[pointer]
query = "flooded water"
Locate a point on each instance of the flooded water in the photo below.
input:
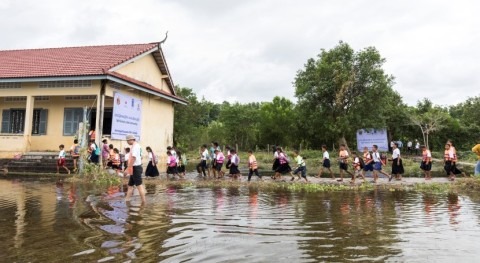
(48, 221)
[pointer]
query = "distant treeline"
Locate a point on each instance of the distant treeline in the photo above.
(338, 92)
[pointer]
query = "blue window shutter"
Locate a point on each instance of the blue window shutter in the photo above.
(5, 121)
(67, 121)
(43, 122)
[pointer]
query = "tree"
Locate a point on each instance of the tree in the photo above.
(277, 121)
(428, 118)
(342, 91)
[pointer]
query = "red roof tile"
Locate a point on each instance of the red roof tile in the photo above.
(67, 61)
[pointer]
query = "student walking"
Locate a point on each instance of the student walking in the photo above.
(283, 167)
(358, 165)
(252, 166)
(116, 162)
(61, 159)
(368, 161)
(326, 163)
(219, 160)
(152, 170)
(301, 167)
(171, 165)
(126, 158)
(343, 162)
(377, 166)
(94, 152)
(417, 147)
(451, 163)
(397, 163)
(234, 164)
(426, 164)
(182, 162)
(202, 165)
(105, 152)
(75, 153)
(134, 168)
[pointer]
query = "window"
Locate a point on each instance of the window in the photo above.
(66, 84)
(13, 121)
(81, 97)
(71, 118)
(42, 98)
(10, 85)
(15, 99)
(39, 125)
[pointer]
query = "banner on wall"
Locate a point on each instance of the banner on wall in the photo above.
(369, 137)
(126, 117)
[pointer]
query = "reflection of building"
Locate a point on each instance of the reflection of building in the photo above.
(42, 92)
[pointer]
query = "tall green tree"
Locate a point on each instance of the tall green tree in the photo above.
(277, 125)
(342, 91)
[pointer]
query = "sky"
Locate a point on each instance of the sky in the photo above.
(250, 50)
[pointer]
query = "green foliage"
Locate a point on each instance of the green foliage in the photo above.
(339, 91)
(95, 174)
(335, 92)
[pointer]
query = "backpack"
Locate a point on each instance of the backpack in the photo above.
(362, 163)
(97, 150)
(154, 158)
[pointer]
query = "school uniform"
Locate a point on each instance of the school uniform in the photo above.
(302, 168)
(284, 167)
(220, 159)
(152, 169)
(276, 162)
(377, 161)
(234, 164)
(172, 165)
(426, 155)
(326, 160)
(367, 157)
(397, 165)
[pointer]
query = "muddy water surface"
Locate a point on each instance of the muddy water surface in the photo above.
(49, 221)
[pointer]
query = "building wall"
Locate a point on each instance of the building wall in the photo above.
(145, 69)
(157, 124)
(14, 143)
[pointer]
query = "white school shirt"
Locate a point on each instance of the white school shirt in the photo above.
(376, 157)
(137, 153)
(326, 156)
(174, 153)
(127, 156)
(417, 145)
(205, 155)
(61, 154)
(396, 153)
(150, 156)
(409, 144)
(275, 155)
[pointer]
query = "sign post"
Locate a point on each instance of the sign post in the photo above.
(369, 137)
(126, 117)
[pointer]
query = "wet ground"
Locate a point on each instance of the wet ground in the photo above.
(54, 221)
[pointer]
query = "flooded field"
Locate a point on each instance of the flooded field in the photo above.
(53, 221)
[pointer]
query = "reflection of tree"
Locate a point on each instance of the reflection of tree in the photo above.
(350, 225)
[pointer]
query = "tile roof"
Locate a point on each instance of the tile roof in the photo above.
(144, 85)
(67, 61)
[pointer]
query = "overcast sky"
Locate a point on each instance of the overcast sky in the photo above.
(250, 50)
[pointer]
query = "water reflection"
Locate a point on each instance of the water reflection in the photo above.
(233, 224)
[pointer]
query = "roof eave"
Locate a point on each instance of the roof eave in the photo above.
(146, 90)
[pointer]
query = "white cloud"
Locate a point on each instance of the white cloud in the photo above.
(251, 50)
